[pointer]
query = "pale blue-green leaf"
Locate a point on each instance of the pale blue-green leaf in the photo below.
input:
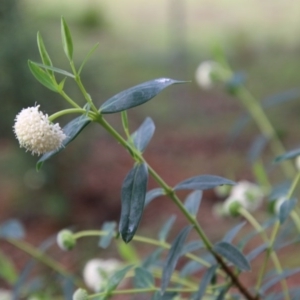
(192, 202)
(257, 147)
(143, 135)
(133, 199)
(41, 76)
(136, 95)
(68, 286)
(153, 258)
(202, 182)
(233, 255)
(255, 252)
(236, 80)
(279, 190)
(192, 246)
(116, 279)
(71, 130)
(12, 229)
(66, 39)
(231, 234)
(57, 70)
(165, 230)
(285, 209)
(222, 294)
(153, 194)
(192, 266)
(205, 281)
(173, 257)
(143, 278)
(288, 155)
(43, 52)
(105, 240)
(278, 278)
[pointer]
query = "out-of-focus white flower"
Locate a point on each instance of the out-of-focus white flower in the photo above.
(36, 133)
(222, 190)
(97, 272)
(204, 74)
(65, 240)
(80, 294)
(5, 294)
(245, 194)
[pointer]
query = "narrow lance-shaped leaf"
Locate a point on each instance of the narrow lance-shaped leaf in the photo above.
(255, 252)
(205, 281)
(71, 130)
(288, 155)
(41, 76)
(57, 70)
(136, 95)
(230, 235)
(232, 254)
(192, 246)
(105, 240)
(153, 194)
(285, 209)
(116, 279)
(43, 52)
(66, 39)
(202, 182)
(163, 233)
(143, 135)
(143, 278)
(133, 199)
(173, 257)
(192, 202)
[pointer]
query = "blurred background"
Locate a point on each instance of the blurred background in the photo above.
(139, 41)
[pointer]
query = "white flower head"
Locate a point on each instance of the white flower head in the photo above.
(36, 133)
(245, 194)
(204, 74)
(97, 272)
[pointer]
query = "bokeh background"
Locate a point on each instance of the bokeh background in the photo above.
(139, 41)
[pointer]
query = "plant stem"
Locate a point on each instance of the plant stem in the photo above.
(66, 112)
(270, 252)
(73, 103)
(265, 126)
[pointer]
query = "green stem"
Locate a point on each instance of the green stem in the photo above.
(66, 112)
(265, 126)
(73, 103)
(40, 256)
(270, 252)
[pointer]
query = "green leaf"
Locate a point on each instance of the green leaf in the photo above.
(192, 246)
(105, 240)
(230, 235)
(43, 52)
(153, 194)
(57, 70)
(127, 252)
(66, 39)
(71, 130)
(202, 182)
(233, 254)
(136, 95)
(288, 155)
(163, 233)
(87, 57)
(285, 209)
(12, 229)
(255, 252)
(143, 278)
(173, 257)
(8, 271)
(273, 281)
(143, 135)
(41, 76)
(116, 279)
(205, 281)
(133, 199)
(192, 202)
(153, 258)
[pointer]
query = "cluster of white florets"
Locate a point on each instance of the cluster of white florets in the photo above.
(36, 133)
(246, 195)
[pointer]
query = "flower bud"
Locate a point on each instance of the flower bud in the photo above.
(65, 240)
(232, 206)
(222, 190)
(80, 294)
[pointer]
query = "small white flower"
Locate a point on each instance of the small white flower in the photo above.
(204, 73)
(246, 194)
(36, 133)
(80, 294)
(97, 272)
